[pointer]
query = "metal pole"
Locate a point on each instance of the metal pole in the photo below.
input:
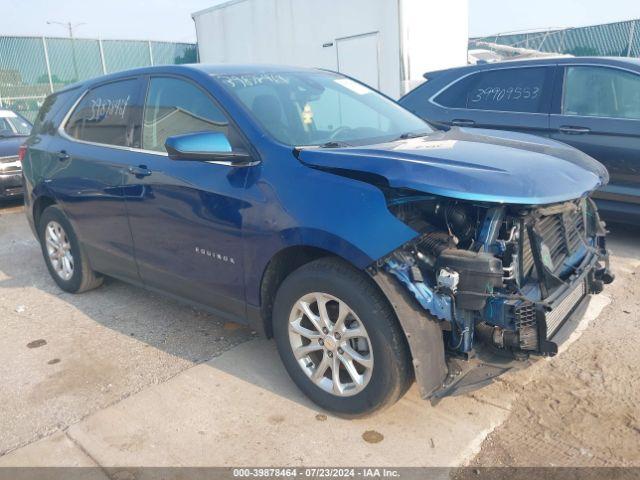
(0, 92)
(632, 32)
(104, 65)
(46, 59)
(150, 52)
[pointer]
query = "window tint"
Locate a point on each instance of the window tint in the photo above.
(176, 107)
(601, 92)
(109, 114)
(53, 110)
(507, 90)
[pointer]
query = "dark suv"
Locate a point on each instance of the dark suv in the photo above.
(373, 248)
(14, 130)
(592, 104)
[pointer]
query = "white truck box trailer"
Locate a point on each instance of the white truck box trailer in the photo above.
(388, 44)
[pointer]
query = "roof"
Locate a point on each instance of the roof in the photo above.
(209, 69)
(615, 61)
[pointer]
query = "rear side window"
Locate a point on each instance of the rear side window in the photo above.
(109, 114)
(176, 107)
(524, 90)
(52, 110)
(601, 92)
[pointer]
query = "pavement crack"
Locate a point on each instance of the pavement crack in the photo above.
(86, 452)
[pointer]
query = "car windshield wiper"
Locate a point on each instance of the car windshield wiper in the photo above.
(335, 144)
(406, 136)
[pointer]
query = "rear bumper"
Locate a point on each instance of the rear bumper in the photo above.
(11, 184)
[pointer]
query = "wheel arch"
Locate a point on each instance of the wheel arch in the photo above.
(39, 206)
(281, 265)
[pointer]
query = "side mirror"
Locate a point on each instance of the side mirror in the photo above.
(204, 146)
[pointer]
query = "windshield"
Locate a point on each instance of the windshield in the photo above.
(13, 124)
(321, 109)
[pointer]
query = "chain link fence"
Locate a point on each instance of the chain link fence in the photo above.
(33, 67)
(619, 39)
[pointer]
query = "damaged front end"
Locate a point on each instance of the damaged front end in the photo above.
(493, 284)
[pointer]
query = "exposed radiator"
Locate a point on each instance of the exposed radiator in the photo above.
(556, 316)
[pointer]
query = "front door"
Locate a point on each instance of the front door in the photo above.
(186, 216)
(515, 99)
(600, 115)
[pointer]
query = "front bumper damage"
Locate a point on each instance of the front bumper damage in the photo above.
(459, 341)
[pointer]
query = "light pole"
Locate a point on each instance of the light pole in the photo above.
(70, 26)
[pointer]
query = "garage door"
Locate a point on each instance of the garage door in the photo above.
(358, 57)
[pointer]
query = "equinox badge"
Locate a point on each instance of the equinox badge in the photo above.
(215, 256)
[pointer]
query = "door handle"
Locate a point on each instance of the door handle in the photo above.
(574, 130)
(139, 171)
(63, 155)
(460, 122)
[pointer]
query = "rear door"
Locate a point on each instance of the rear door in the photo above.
(516, 99)
(89, 159)
(599, 113)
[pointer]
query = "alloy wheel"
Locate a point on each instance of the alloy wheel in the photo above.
(330, 344)
(59, 250)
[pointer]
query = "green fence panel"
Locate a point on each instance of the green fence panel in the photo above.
(23, 67)
(124, 54)
(165, 53)
(72, 60)
(612, 39)
(33, 67)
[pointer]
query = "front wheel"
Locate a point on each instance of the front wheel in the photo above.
(340, 340)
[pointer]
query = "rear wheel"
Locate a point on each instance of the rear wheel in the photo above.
(67, 263)
(339, 339)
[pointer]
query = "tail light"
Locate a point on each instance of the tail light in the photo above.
(22, 151)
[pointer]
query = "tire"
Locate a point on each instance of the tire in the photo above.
(79, 278)
(383, 346)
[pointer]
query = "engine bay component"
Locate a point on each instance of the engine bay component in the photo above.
(448, 279)
(480, 274)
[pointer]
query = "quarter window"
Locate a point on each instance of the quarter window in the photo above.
(176, 107)
(601, 92)
(109, 114)
(507, 90)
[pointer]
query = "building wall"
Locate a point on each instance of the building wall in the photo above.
(385, 43)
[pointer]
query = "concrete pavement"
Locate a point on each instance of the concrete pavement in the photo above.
(136, 385)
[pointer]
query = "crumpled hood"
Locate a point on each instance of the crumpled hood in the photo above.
(473, 164)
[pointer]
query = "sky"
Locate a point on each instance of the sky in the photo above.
(171, 19)
(499, 16)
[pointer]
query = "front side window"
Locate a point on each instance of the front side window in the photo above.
(601, 92)
(109, 114)
(506, 90)
(320, 108)
(177, 107)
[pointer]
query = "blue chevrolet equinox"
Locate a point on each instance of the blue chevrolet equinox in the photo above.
(374, 249)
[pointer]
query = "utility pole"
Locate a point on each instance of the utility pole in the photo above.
(70, 26)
